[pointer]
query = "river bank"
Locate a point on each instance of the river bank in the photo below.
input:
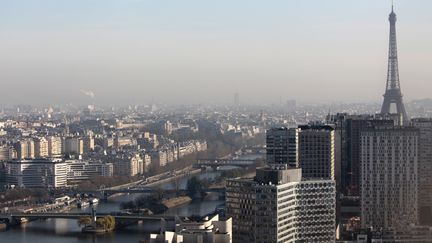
(68, 231)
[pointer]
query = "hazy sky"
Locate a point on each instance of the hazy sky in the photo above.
(133, 51)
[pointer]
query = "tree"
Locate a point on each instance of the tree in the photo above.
(84, 221)
(107, 222)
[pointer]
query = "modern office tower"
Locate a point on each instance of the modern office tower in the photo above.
(54, 146)
(73, 145)
(389, 177)
(282, 146)
(317, 151)
(89, 144)
(44, 173)
(279, 206)
(393, 94)
(41, 148)
(240, 199)
(424, 169)
(80, 170)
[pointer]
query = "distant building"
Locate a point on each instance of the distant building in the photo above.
(159, 158)
(128, 166)
(41, 148)
(42, 173)
(145, 165)
(73, 145)
(5, 152)
(79, 170)
(54, 147)
(168, 128)
(236, 99)
(26, 149)
(123, 141)
(89, 144)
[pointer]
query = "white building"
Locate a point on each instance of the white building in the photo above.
(278, 206)
(41, 148)
(54, 146)
(43, 173)
(80, 170)
(389, 177)
(207, 230)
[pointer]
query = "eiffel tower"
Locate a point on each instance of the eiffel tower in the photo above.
(393, 94)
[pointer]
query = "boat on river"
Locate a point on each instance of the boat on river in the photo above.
(83, 204)
(94, 201)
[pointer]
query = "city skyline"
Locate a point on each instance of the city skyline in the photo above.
(191, 52)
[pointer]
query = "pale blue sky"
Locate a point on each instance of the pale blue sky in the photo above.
(130, 51)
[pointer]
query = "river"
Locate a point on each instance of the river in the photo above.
(68, 231)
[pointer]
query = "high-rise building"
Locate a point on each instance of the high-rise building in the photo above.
(4, 152)
(348, 128)
(424, 170)
(73, 145)
(26, 149)
(41, 148)
(317, 151)
(145, 165)
(393, 94)
(54, 146)
(89, 144)
(240, 199)
(282, 146)
(31, 148)
(128, 166)
(389, 177)
(279, 206)
(236, 99)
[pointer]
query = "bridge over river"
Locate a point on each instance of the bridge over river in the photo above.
(214, 163)
(15, 218)
(105, 193)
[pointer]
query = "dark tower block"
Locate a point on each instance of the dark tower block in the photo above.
(393, 94)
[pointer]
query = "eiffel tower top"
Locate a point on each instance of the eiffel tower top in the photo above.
(392, 16)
